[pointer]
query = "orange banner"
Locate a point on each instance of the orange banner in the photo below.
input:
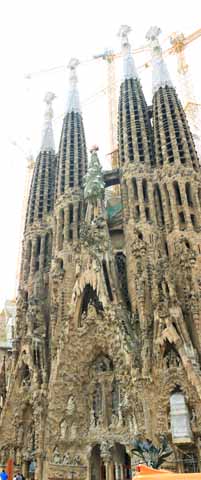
(147, 473)
(9, 469)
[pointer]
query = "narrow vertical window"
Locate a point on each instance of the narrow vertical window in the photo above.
(189, 194)
(135, 189)
(37, 259)
(199, 196)
(145, 190)
(120, 260)
(79, 214)
(177, 193)
(61, 229)
(107, 281)
(158, 206)
(168, 204)
(46, 245)
(29, 249)
(71, 219)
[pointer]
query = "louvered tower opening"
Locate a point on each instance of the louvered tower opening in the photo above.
(72, 157)
(41, 196)
(134, 127)
(171, 130)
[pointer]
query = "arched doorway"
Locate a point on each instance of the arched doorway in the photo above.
(116, 465)
(98, 470)
(122, 463)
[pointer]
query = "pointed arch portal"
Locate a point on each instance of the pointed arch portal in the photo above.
(114, 466)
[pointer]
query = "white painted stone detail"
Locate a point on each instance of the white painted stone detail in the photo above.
(180, 421)
(47, 144)
(160, 74)
(129, 68)
(73, 103)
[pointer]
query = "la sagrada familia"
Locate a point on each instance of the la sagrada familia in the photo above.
(107, 344)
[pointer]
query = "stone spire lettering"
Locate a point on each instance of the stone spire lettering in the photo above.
(129, 68)
(160, 74)
(47, 144)
(73, 103)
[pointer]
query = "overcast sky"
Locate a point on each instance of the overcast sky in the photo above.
(36, 35)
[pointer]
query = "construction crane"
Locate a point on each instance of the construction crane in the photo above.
(109, 56)
(28, 177)
(193, 109)
(178, 44)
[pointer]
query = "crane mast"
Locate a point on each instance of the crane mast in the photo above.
(191, 106)
(110, 57)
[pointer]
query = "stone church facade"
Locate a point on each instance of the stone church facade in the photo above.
(107, 341)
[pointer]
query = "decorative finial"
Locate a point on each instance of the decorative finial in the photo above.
(123, 34)
(73, 104)
(129, 68)
(49, 97)
(160, 74)
(47, 143)
(152, 36)
(94, 148)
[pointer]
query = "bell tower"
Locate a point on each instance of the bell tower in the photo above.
(70, 171)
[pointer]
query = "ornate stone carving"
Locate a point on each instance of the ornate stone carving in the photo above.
(71, 406)
(72, 460)
(57, 459)
(63, 426)
(57, 269)
(105, 448)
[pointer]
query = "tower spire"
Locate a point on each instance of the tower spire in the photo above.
(73, 103)
(134, 127)
(47, 143)
(129, 68)
(160, 74)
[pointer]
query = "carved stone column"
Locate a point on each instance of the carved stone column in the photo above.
(107, 459)
(75, 226)
(117, 472)
(109, 468)
(173, 206)
(33, 257)
(66, 225)
(121, 472)
(42, 253)
(39, 467)
(88, 456)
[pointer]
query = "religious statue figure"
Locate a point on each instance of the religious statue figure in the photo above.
(56, 457)
(66, 459)
(114, 419)
(132, 424)
(73, 431)
(161, 75)
(70, 409)
(121, 418)
(105, 448)
(92, 419)
(63, 426)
